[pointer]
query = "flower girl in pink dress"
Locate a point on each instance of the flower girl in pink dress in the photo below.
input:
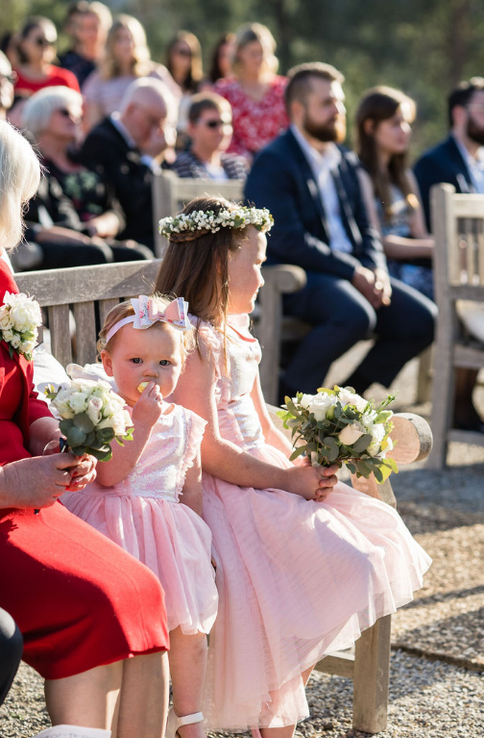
(305, 564)
(148, 498)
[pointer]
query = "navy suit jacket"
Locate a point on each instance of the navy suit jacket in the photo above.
(443, 163)
(131, 178)
(282, 180)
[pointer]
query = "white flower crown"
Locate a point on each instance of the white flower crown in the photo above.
(208, 220)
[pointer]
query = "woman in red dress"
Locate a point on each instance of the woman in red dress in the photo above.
(255, 93)
(91, 616)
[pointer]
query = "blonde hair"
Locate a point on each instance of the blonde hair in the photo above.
(102, 13)
(39, 107)
(247, 34)
(125, 309)
(19, 181)
(141, 55)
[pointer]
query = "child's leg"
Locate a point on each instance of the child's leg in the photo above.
(188, 661)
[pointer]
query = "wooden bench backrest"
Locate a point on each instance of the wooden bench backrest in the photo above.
(171, 194)
(87, 291)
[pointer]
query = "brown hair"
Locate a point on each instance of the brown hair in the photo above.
(194, 259)
(207, 101)
(377, 105)
(300, 77)
(195, 73)
(124, 310)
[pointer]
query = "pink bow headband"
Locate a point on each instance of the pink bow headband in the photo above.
(147, 312)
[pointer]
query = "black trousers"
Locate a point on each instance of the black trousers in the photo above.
(11, 646)
(341, 317)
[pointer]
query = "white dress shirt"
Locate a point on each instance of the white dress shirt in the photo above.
(474, 164)
(322, 166)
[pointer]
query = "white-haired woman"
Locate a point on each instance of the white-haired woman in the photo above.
(255, 92)
(76, 198)
(92, 617)
(126, 58)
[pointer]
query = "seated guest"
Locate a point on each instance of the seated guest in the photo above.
(36, 49)
(184, 62)
(210, 131)
(7, 80)
(221, 61)
(126, 58)
(70, 195)
(459, 160)
(89, 25)
(384, 119)
(127, 148)
(11, 646)
(92, 618)
(255, 92)
(311, 186)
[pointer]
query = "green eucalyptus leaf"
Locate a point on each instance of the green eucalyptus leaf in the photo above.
(362, 443)
(83, 422)
(75, 437)
(65, 426)
(79, 450)
(299, 451)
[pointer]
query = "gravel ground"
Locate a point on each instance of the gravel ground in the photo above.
(437, 685)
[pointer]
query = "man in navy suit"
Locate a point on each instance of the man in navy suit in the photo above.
(311, 186)
(459, 160)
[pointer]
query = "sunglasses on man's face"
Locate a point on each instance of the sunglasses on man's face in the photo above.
(217, 123)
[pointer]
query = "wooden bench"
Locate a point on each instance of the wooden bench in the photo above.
(458, 227)
(90, 292)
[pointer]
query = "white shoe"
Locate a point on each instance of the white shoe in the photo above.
(73, 731)
(174, 722)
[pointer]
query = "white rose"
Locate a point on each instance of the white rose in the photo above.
(350, 434)
(378, 432)
(78, 402)
(94, 407)
(20, 316)
(305, 401)
(7, 335)
(350, 398)
(15, 341)
(320, 404)
(5, 321)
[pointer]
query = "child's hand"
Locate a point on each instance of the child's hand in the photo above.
(311, 482)
(149, 406)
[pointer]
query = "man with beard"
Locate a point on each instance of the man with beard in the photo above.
(310, 184)
(459, 160)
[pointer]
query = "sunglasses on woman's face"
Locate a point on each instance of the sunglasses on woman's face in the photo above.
(43, 42)
(182, 52)
(68, 114)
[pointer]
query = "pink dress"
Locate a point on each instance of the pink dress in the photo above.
(145, 515)
(255, 122)
(297, 579)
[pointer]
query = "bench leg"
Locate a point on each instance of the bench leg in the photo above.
(371, 678)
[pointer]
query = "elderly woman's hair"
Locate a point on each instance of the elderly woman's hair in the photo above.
(247, 34)
(19, 181)
(39, 107)
(109, 67)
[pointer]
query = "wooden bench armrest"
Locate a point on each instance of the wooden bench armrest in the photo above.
(412, 440)
(284, 278)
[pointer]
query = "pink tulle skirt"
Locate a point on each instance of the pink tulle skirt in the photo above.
(171, 539)
(297, 580)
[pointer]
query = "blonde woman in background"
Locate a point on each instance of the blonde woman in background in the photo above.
(255, 92)
(127, 57)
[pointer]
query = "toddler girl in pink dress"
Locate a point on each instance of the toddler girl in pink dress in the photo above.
(148, 498)
(305, 564)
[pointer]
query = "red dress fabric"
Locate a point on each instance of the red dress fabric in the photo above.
(79, 600)
(56, 76)
(255, 123)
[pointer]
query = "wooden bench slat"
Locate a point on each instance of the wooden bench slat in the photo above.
(60, 335)
(85, 317)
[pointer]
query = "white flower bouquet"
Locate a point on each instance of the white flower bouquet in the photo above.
(20, 317)
(338, 426)
(91, 417)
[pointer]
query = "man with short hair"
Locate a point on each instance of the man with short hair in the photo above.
(88, 23)
(210, 132)
(311, 186)
(128, 148)
(459, 160)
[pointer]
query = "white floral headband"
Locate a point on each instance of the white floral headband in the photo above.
(147, 312)
(208, 220)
